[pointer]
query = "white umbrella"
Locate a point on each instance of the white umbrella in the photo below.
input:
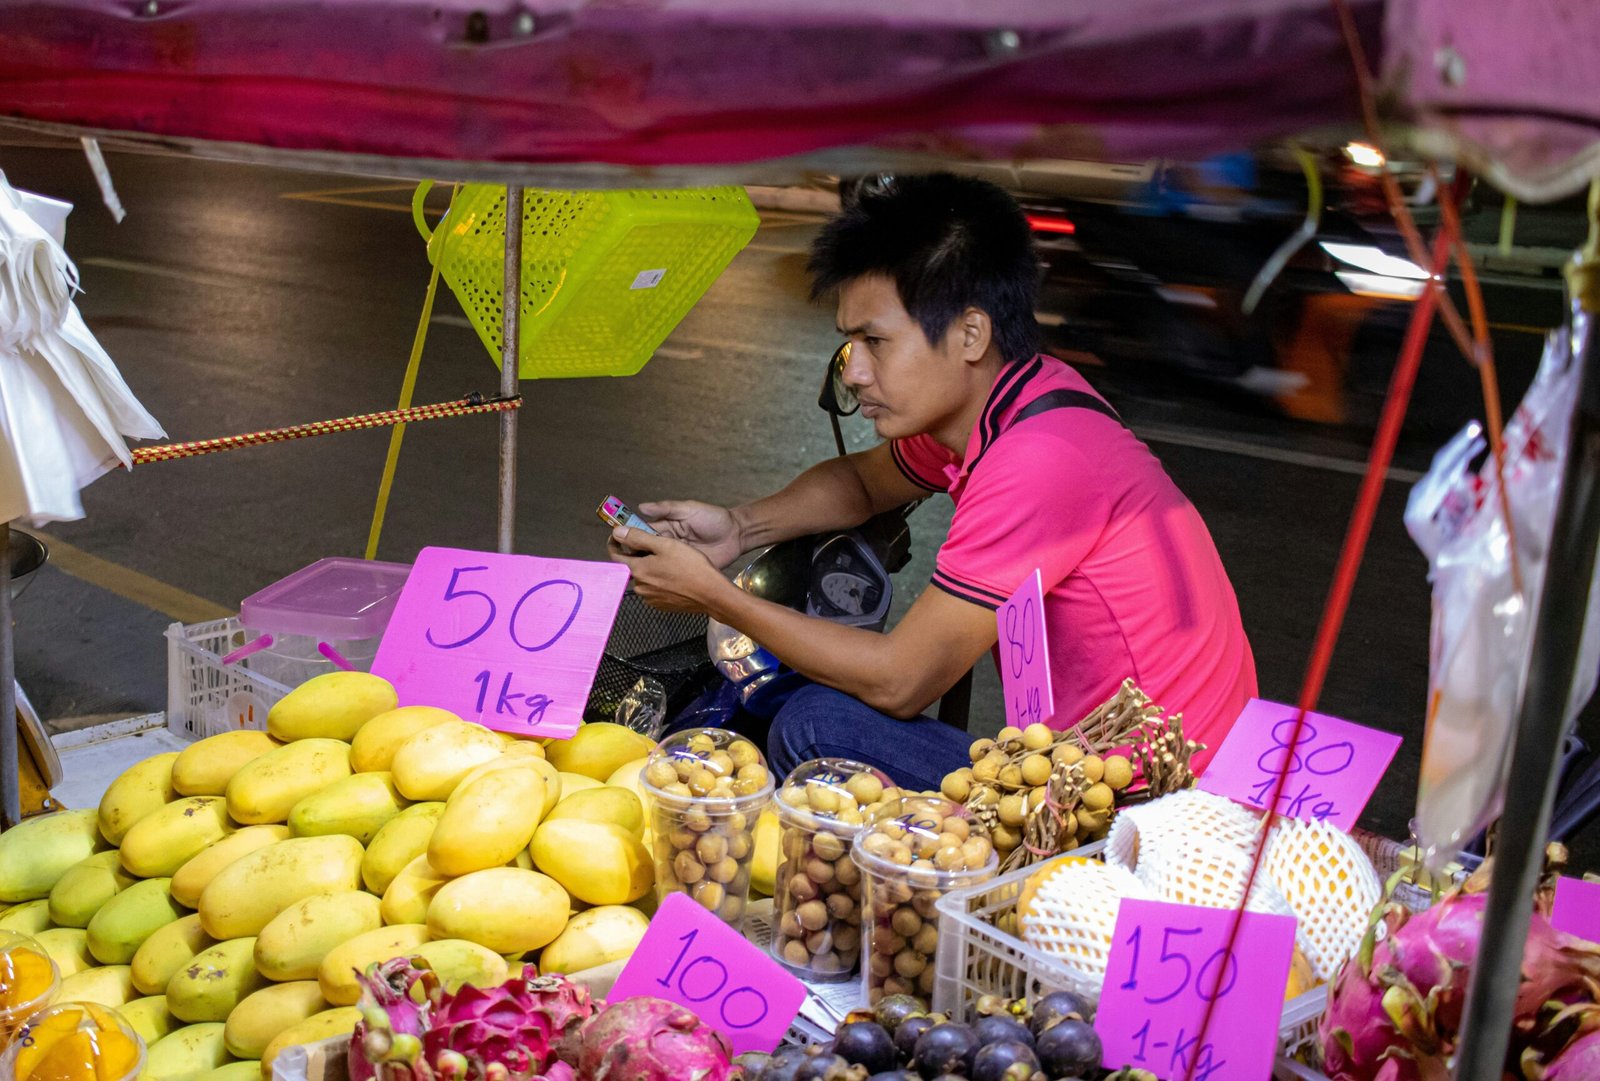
(64, 408)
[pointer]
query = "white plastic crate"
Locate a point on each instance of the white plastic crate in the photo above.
(205, 697)
(976, 958)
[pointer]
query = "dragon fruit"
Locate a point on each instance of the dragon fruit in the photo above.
(647, 1039)
(1579, 1062)
(1395, 1008)
(412, 1030)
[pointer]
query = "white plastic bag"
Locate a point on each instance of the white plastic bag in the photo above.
(1482, 624)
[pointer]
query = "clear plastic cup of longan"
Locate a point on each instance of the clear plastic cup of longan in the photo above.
(816, 898)
(707, 787)
(914, 851)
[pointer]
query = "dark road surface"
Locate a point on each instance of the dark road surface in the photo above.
(235, 301)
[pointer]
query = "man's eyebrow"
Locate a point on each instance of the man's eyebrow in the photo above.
(851, 332)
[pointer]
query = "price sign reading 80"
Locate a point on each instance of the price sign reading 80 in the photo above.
(1171, 964)
(690, 957)
(1025, 655)
(509, 641)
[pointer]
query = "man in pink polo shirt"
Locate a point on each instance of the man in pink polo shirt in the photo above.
(935, 280)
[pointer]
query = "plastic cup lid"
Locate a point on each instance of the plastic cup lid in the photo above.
(837, 794)
(929, 840)
(707, 766)
(334, 599)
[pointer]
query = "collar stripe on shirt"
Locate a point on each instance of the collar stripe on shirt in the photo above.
(905, 468)
(1004, 393)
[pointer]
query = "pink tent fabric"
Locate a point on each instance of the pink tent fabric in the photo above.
(660, 87)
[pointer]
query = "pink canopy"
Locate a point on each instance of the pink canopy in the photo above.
(613, 91)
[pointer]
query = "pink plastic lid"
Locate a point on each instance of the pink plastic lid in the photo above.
(334, 599)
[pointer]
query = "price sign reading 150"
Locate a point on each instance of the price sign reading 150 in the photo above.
(512, 642)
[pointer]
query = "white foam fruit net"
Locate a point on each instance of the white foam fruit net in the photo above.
(1331, 885)
(1202, 870)
(1187, 814)
(1072, 913)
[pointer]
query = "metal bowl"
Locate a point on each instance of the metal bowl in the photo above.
(25, 554)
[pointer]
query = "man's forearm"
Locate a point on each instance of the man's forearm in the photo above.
(828, 496)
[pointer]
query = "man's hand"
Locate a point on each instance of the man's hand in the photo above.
(712, 531)
(669, 574)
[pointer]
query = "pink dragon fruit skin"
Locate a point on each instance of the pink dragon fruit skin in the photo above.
(386, 1005)
(648, 1039)
(516, 1025)
(1579, 1062)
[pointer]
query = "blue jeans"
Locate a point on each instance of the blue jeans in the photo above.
(820, 722)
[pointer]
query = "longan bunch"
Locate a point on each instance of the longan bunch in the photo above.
(1164, 755)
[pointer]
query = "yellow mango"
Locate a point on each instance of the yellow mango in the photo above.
(430, 764)
(205, 768)
(458, 962)
(143, 787)
(331, 706)
(358, 805)
(36, 853)
(164, 840)
(373, 748)
(412, 891)
(523, 859)
(337, 973)
(553, 789)
(340, 1021)
(505, 909)
(573, 783)
(630, 775)
(168, 949)
(293, 945)
(215, 981)
(402, 839)
(110, 985)
(86, 885)
(603, 803)
(68, 947)
(486, 822)
(245, 895)
(255, 1021)
(596, 750)
(596, 862)
(31, 917)
(768, 847)
(186, 1053)
(124, 922)
(266, 789)
(149, 1017)
(190, 880)
(247, 1070)
(595, 937)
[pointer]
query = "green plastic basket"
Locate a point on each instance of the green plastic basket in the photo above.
(606, 275)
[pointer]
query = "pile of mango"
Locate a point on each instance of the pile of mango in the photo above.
(223, 898)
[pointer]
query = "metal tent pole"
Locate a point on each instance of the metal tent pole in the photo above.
(1536, 753)
(510, 320)
(10, 767)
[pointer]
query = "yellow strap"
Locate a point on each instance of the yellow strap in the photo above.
(398, 433)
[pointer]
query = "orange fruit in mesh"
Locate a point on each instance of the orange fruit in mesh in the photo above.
(26, 974)
(76, 1041)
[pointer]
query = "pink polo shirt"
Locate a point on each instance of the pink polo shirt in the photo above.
(1133, 584)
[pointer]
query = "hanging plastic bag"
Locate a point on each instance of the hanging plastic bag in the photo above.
(1482, 621)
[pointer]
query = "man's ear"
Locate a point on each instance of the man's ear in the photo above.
(976, 333)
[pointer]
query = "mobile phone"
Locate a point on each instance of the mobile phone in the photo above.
(614, 512)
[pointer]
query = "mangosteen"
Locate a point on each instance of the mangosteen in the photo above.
(1007, 1060)
(905, 1037)
(893, 1009)
(822, 1065)
(865, 1043)
(752, 1065)
(1068, 1048)
(895, 1075)
(1054, 1007)
(999, 1028)
(946, 1048)
(785, 1064)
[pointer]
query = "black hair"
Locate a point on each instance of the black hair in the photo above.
(948, 243)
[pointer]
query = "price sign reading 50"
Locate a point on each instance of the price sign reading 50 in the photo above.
(511, 642)
(1327, 773)
(1025, 655)
(690, 957)
(1171, 963)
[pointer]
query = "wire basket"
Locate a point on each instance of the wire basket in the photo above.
(669, 647)
(204, 696)
(606, 275)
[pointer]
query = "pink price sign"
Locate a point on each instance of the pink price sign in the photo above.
(509, 641)
(1577, 908)
(690, 957)
(1025, 655)
(1332, 769)
(1169, 963)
